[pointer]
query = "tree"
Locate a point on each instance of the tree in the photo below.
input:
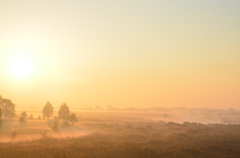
(72, 118)
(98, 108)
(63, 112)
(55, 124)
(23, 116)
(47, 110)
(8, 108)
(65, 124)
(21, 119)
(13, 135)
(1, 121)
(44, 134)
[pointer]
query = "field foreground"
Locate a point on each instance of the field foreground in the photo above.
(104, 136)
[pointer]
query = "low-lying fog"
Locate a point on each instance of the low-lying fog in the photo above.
(97, 121)
(34, 129)
(198, 117)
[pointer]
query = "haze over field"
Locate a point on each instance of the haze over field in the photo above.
(119, 78)
(121, 53)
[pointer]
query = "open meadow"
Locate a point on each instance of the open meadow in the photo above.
(119, 78)
(102, 134)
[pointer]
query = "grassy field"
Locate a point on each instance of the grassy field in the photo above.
(120, 135)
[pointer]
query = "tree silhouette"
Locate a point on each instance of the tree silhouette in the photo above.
(65, 124)
(13, 135)
(1, 121)
(23, 116)
(63, 112)
(43, 134)
(21, 119)
(8, 108)
(72, 118)
(55, 124)
(47, 110)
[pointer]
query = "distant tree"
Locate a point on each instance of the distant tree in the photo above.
(39, 117)
(1, 121)
(55, 124)
(1, 106)
(72, 118)
(22, 117)
(43, 134)
(63, 112)
(98, 108)
(8, 108)
(65, 124)
(31, 116)
(24, 114)
(47, 110)
(13, 135)
(110, 108)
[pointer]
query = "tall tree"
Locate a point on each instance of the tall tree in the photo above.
(8, 108)
(47, 110)
(1, 121)
(72, 118)
(63, 112)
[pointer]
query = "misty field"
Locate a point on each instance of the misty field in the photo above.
(124, 134)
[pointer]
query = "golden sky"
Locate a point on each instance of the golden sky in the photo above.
(120, 53)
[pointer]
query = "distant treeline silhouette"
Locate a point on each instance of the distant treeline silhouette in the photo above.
(7, 111)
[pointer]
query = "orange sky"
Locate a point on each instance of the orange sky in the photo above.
(120, 53)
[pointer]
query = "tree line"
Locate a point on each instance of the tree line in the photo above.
(63, 113)
(7, 111)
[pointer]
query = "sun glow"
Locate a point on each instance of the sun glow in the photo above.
(21, 66)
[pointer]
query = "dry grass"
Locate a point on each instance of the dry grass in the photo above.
(121, 135)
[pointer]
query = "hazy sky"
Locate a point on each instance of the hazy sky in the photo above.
(137, 53)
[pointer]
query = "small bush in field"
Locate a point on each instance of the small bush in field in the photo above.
(55, 124)
(72, 118)
(21, 119)
(13, 135)
(43, 134)
(65, 124)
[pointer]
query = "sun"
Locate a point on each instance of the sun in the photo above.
(21, 66)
